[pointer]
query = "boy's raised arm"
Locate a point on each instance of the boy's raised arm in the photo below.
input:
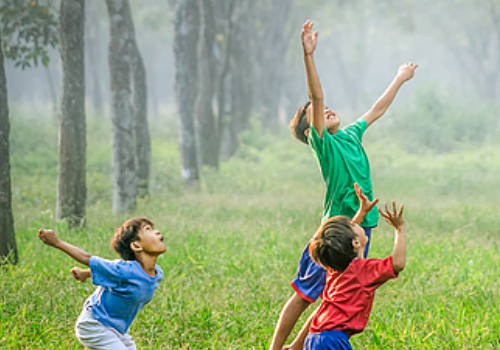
(50, 238)
(364, 205)
(309, 41)
(395, 219)
(405, 73)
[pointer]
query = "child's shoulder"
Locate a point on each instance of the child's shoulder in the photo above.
(100, 260)
(369, 261)
(119, 265)
(368, 266)
(356, 127)
(358, 265)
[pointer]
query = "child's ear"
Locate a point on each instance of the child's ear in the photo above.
(136, 247)
(356, 244)
(306, 132)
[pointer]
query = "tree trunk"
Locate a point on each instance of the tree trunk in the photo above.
(71, 188)
(140, 112)
(240, 81)
(223, 120)
(124, 175)
(206, 129)
(8, 247)
(186, 30)
(272, 55)
(93, 41)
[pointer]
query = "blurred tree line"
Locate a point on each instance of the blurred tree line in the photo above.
(227, 62)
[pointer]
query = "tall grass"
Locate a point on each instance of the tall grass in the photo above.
(234, 244)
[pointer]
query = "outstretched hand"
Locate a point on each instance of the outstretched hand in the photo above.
(365, 204)
(80, 274)
(48, 237)
(406, 70)
(309, 38)
(394, 218)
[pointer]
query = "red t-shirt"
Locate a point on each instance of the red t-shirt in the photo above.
(348, 296)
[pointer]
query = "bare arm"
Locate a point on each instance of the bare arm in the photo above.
(405, 73)
(50, 238)
(298, 342)
(309, 41)
(364, 205)
(395, 219)
(288, 318)
(399, 251)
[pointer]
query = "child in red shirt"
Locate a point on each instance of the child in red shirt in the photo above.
(351, 280)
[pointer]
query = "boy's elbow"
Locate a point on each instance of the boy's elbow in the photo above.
(398, 266)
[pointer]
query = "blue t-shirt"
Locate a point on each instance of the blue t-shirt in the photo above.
(124, 289)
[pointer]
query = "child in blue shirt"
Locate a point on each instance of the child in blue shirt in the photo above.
(124, 285)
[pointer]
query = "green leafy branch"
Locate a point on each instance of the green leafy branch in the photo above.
(28, 29)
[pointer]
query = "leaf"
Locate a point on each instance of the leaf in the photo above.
(45, 60)
(27, 28)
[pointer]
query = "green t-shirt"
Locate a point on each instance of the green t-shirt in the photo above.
(343, 161)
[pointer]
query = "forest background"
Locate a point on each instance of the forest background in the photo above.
(236, 197)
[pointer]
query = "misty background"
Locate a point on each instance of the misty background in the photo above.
(361, 44)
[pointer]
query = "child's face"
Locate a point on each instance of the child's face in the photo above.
(151, 240)
(332, 120)
(361, 237)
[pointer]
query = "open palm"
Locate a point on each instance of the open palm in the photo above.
(309, 38)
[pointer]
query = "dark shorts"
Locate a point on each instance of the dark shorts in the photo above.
(311, 278)
(327, 340)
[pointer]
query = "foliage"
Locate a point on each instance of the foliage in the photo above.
(233, 246)
(434, 119)
(27, 29)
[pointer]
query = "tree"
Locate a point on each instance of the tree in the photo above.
(272, 47)
(26, 29)
(93, 39)
(140, 112)
(71, 186)
(186, 31)
(8, 247)
(225, 63)
(124, 173)
(207, 131)
(242, 84)
(226, 22)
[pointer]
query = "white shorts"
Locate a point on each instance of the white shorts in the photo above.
(96, 336)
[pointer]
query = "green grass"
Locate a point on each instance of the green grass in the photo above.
(233, 245)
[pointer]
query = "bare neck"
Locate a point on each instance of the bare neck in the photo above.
(361, 253)
(148, 263)
(333, 132)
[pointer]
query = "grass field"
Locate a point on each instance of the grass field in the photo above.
(233, 245)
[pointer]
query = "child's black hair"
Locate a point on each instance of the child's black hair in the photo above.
(126, 234)
(332, 246)
(299, 124)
